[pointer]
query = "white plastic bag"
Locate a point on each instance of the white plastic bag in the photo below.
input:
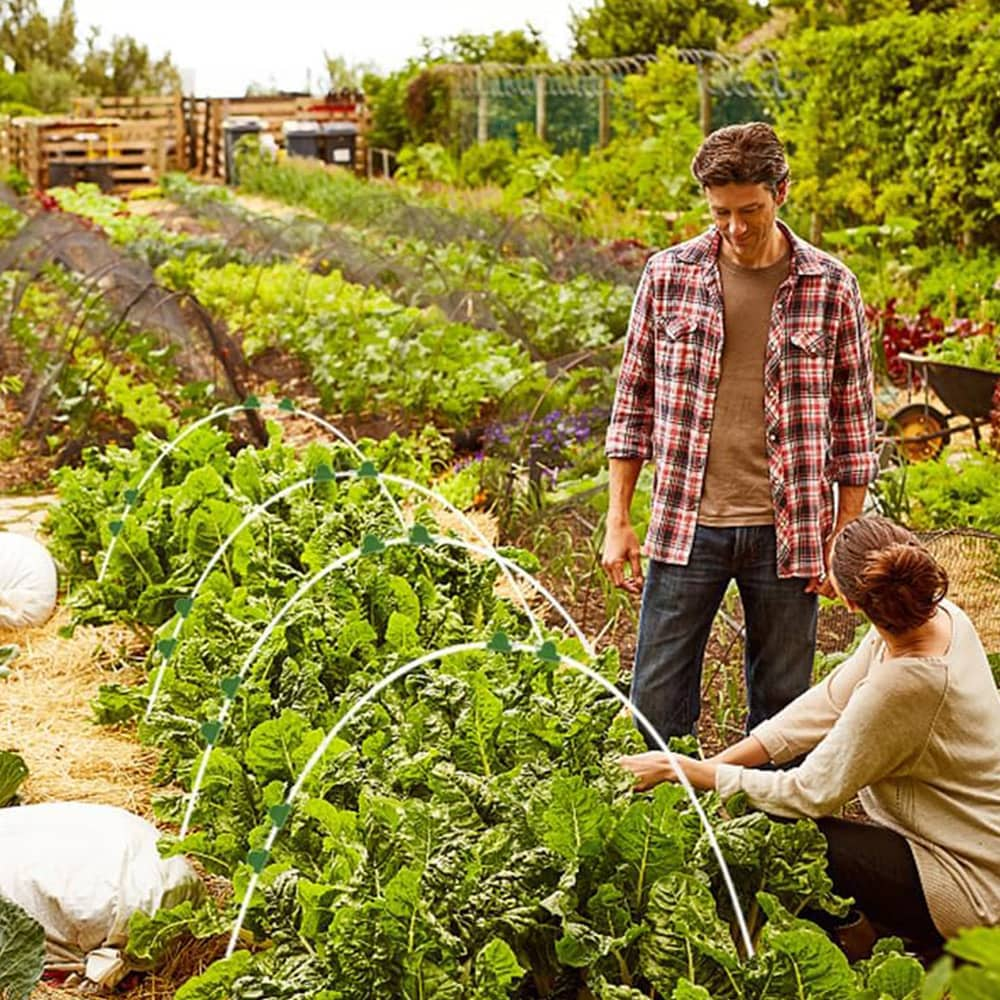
(28, 585)
(81, 870)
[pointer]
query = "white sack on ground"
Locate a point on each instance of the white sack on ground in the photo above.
(81, 870)
(28, 586)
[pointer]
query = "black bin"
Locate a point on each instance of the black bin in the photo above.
(233, 129)
(66, 173)
(302, 138)
(339, 143)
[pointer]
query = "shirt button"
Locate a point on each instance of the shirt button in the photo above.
(773, 437)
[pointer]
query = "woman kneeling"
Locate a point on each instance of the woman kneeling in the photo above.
(910, 723)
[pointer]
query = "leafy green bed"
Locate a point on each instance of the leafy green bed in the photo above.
(469, 835)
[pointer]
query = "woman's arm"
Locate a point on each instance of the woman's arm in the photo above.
(654, 766)
(880, 732)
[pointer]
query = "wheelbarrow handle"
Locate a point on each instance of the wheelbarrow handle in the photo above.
(913, 359)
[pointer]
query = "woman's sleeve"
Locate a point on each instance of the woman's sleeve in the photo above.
(885, 724)
(798, 727)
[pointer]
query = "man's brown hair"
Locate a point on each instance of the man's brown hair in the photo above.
(741, 154)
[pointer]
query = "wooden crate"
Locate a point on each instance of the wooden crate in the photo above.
(134, 152)
(162, 111)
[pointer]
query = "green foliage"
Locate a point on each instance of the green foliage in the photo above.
(978, 351)
(386, 99)
(890, 119)
(427, 162)
(48, 72)
(490, 162)
(630, 27)
(365, 352)
(151, 937)
(470, 829)
(945, 493)
(22, 952)
(520, 47)
(13, 771)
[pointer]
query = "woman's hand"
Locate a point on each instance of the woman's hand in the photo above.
(654, 766)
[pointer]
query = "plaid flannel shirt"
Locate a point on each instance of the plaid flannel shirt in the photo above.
(818, 400)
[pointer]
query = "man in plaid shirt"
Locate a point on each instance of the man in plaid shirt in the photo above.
(746, 380)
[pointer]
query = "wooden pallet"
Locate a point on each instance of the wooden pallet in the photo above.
(133, 154)
(164, 112)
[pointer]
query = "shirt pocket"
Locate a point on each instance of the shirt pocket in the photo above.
(807, 360)
(810, 338)
(681, 348)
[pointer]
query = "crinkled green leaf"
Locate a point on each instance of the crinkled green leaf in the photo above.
(22, 951)
(576, 818)
(13, 771)
(215, 983)
(648, 838)
(150, 937)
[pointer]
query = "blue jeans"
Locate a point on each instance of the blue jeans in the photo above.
(678, 606)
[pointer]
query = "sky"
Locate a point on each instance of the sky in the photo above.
(222, 46)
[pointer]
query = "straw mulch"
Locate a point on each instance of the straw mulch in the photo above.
(45, 716)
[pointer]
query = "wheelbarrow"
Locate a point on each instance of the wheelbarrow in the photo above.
(919, 430)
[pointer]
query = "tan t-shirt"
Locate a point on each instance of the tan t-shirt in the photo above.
(737, 489)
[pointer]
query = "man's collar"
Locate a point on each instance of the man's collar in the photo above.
(704, 251)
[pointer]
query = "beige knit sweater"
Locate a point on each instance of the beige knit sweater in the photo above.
(919, 740)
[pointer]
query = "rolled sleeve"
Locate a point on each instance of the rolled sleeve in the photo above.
(630, 428)
(728, 779)
(853, 461)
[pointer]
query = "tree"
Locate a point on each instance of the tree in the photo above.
(125, 68)
(27, 36)
(631, 27)
(519, 47)
(344, 76)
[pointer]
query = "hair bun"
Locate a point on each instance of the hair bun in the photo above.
(901, 584)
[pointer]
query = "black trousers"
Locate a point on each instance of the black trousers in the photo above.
(876, 867)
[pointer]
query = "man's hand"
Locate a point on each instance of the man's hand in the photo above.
(821, 584)
(850, 505)
(621, 549)
(654, 766)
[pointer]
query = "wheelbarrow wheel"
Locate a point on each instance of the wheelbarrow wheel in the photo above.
(917, 421)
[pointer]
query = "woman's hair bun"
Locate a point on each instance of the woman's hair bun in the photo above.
(884, 569)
